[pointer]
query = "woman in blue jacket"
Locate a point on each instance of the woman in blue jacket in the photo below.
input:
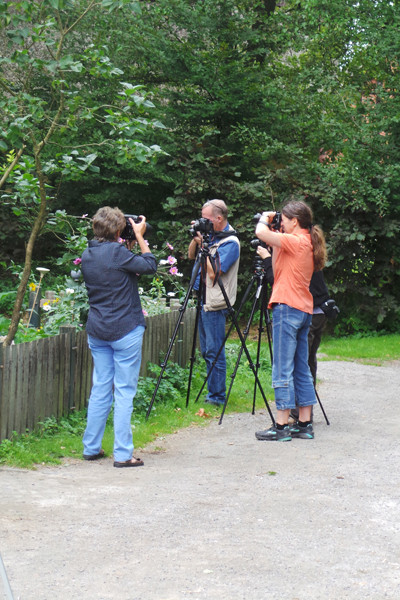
(115, 329)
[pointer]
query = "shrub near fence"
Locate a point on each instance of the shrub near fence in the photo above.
(52, 376)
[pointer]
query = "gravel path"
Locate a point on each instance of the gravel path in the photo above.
(215, 514)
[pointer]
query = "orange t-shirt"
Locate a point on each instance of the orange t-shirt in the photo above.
(293, 264)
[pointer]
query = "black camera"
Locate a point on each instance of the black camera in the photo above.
(255, 243)
(276, 221)
(202, 225)
(128, 234)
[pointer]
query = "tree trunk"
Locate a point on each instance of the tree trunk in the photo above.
(36, 229)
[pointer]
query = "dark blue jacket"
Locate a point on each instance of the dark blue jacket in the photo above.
(110, 272)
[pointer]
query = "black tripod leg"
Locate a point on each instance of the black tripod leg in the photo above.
(322, 408)
(193, 353)
(175, 333)
(245, 332)
(263, 313)
(234, 321)
(260, 330)
(224, 342)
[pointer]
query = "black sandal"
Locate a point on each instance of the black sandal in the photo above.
(132, 462)
(101, 454)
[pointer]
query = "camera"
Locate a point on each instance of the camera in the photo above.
(276, 221)
(202, 225)
(128, 234)
(256, 242)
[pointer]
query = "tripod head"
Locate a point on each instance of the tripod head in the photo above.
(259, 266)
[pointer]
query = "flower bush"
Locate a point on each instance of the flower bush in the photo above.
(70, 306)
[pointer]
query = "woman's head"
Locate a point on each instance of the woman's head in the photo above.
(108, 223)
(296, 209)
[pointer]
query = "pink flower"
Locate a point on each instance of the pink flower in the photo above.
(169, 246)
(171, 260)
(173, 270)
(77, 261)
(144, 311)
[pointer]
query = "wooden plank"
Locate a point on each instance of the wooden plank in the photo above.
(18, 374)
(37, 385)
(5, 393)
(67, 381)
(31, 404)
(50, 405)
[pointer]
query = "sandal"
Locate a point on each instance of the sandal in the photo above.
(101, 454)
(132, 462)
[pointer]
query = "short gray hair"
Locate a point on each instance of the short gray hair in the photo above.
(218, 207)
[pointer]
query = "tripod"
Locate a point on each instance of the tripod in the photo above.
(259, 278)
(201, 264)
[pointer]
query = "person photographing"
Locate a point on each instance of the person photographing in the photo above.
(224, 248)
(298, 250)
(115, 329)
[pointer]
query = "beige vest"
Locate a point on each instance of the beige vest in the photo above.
(214, 297)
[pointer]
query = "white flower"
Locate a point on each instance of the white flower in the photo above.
(69, 291)
(163, 262)
(178, 274)
(42, 270)
(140, 290)
(46, 306)
(172, 294)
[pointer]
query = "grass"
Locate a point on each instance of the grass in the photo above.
(55, 441)
(372, 350)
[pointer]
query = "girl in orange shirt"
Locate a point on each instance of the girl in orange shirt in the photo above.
(298, 250)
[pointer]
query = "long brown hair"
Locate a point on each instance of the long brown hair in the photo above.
(303, 213)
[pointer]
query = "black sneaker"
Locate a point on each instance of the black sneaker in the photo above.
(275, 435)
(305, 433)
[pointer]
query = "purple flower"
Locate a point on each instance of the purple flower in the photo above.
(77, 261)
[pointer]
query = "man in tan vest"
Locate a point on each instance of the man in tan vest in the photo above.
(224, 247)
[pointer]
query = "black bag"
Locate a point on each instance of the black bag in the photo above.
(330, 309)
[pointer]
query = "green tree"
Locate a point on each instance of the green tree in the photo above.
(265, 102)
(44, 104)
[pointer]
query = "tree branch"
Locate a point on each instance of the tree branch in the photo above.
(11, 166)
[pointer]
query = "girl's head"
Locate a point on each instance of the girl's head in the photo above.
(297, 209)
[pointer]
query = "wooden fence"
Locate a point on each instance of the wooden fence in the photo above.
(52, 376)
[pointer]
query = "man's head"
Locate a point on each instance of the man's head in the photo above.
(217, 212)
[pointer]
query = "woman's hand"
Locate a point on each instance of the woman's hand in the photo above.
(267, 216)
(263, 252)
(138, 228)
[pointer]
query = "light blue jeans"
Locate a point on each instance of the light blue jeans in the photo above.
(212, 336)
(291, 376)
(116, 365)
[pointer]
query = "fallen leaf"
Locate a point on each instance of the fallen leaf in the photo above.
(202, 413)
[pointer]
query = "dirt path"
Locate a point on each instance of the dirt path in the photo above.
(218, 515)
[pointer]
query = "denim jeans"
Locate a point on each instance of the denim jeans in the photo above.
(212, 337)
(291, 376)
(116, 365)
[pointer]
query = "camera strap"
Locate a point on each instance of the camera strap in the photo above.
(216, 265)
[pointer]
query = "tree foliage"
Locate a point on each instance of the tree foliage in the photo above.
(261, 101)
(44, 103)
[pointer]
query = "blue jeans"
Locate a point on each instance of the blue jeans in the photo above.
(116, 365)
(291, 376)
(212, 337)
